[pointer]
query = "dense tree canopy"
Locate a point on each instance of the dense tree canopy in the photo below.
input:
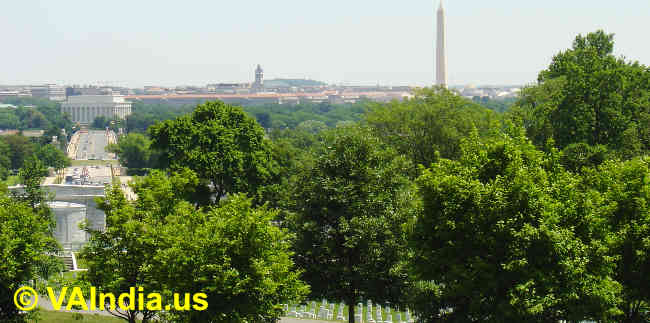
(134, 151)
(506, 235)
(19, 148)
(145, 115)
(587, 95)
(625, 189)
(281, 116)
(434, 202)
(221, 143)
(52, 156)
(231, 252)
(16, 149)
(33, 113)
(435, 120)
(269, 116)
(350, 203)
(5, 160)
(496, 104)
(24, 238)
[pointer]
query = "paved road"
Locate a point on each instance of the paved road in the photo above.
(97, 175)
(92, 145)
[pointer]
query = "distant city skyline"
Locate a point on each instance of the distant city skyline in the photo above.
(384, 42)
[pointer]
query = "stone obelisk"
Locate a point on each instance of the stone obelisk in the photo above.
(441, 49)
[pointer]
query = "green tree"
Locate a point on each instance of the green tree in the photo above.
(52, 156)
(497, 105)
(576, 156)
(231, 252)
(100, 122)
(48, 135)
(236, 256)
(20, 148)
(31, 177)
(24, 238)
(9, 119)
(5, 160)
(435, 120)
(134, 151)
(506, 235)
(222, 144)
(34, 113)
(264, 119)
(117, 257)
(625, 188)
(312, 126)
(350, 203)
(587, 95)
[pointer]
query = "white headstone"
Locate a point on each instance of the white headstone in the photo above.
(339, 316)
(369, 312)
(389, 315)
(379, 316)
(313, 310)
(359, 316)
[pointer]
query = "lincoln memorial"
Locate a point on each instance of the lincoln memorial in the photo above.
(85, 108)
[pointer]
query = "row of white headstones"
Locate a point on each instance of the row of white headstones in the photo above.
(326, 312)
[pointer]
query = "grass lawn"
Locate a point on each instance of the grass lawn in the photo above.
(94, 162)
(66, 317)
(12, 180)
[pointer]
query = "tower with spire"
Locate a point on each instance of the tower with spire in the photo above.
(441, 48)
(259, 77)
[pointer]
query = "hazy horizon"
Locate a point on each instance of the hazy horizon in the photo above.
(363, 42)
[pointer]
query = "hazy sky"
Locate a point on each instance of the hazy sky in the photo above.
(164, 42)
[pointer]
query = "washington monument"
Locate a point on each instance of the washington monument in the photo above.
(441, 49)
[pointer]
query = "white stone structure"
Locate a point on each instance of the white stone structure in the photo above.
(441, 49)
(359, 316)
(369, 313)
(340, 316)
(85, 108)
(72, 205)
(68, 216)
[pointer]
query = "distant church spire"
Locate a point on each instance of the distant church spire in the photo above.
(441, 48)
(259, 77)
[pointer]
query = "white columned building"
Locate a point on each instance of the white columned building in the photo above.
(441, 49)
(84, 109)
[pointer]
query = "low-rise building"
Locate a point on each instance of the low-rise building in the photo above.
(51, 92)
